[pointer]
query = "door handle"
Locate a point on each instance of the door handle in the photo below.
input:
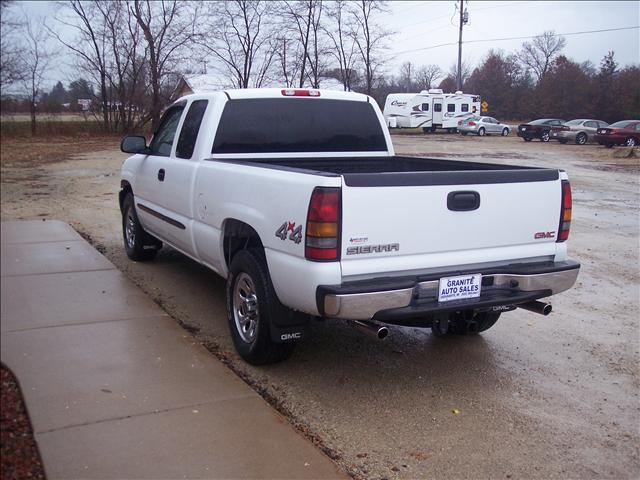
(463, 201)
(161, 174)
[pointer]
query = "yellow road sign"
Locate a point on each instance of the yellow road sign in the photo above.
(485, 106)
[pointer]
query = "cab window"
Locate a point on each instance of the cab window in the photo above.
(190, 128)
(163, 139)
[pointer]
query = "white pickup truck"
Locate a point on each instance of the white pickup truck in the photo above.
(296, 197)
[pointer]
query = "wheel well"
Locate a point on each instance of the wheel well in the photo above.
(125, 188)
(239, 236)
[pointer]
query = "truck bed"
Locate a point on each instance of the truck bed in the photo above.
(409, 171)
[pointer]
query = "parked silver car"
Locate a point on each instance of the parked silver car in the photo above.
(580, 131)
(482, 126)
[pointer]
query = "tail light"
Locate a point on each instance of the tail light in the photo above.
(565, 128)
(322, 242)
(472, 124)
(565, 212)
(295, 92)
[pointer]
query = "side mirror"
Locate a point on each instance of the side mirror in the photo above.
(134, 144)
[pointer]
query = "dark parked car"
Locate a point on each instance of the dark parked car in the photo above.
(626, 132)
(538, 129)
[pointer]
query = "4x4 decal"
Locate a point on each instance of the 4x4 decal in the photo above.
(285, 228)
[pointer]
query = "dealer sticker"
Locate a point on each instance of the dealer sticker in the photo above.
(459, 288)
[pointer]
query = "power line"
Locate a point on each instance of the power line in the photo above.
(518, 38)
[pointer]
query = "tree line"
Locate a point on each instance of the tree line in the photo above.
(128, 56)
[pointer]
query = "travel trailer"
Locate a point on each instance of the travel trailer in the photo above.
(429, 109)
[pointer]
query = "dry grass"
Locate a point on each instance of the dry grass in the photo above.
(23, 151)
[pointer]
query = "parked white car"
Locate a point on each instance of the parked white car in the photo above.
(296, 197)
(482, 126)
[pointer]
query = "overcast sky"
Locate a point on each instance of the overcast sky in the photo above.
(421, 25)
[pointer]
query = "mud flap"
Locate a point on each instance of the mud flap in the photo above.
(290, 326)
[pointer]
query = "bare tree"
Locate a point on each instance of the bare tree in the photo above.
(466, 72)
(427, 75)
(344, 49)
(303, 18)
(36, 59)
(288, 60)
(238, 35)
(10, 71)
(90, 45)
(406, 76)
(538, 54)
(370, 38)
(168, 27)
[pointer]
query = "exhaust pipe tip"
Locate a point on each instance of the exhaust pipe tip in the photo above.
(371, 328)
(537, 307)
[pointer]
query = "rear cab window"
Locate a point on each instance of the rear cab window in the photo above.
(283, 125)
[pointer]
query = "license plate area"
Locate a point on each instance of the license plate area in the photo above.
(460, 287)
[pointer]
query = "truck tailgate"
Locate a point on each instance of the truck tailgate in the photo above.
(395, 223)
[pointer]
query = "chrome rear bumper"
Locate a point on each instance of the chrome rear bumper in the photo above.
(498, 289)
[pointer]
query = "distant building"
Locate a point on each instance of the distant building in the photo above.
(199, 83)
(85, 104)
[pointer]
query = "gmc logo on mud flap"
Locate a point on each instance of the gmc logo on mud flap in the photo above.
(539, 235)
(291, 336)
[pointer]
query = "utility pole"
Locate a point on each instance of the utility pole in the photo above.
(464, 18)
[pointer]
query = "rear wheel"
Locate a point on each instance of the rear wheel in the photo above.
(251, 307)
(630, 142)
(481, 132)
(138, 244)
(581, 138)
(505, 132)
(545, 136)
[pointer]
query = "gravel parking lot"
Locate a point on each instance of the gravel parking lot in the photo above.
(535, 396)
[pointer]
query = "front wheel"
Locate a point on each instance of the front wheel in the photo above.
(138, 244)
(545, 136)
(630, 142)
(481, 132)
(251, 307)
(505, 132)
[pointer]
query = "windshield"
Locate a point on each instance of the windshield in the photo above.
(574, 122)
(279, 125)
(541, 121)
(622, 124)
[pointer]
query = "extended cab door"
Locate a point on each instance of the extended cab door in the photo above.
(164, 196)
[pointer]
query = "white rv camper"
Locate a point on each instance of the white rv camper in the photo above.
(429, 109)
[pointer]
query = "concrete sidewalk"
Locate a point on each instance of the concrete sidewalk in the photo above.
(115, 388)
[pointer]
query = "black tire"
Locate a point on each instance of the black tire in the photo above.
(426, 129)
(464, 134)
(563, 142)
(526, 139)
(505, 132)
(581, 138)
(544, 137)
(138, 244)
(630, 142)
(255, 310)
(481, 132)
(608, 145)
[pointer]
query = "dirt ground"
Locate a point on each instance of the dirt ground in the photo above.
(534, 397)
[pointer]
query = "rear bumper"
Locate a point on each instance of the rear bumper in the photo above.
(392, 299)
(611, 139)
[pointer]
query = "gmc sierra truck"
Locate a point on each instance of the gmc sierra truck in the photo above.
(296, 197)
